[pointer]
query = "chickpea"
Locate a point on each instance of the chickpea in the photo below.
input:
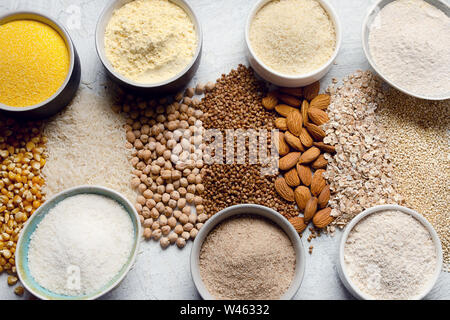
(162, 221)
(164, 242)
(147, 223)
(198, 226)
(165, 230)
(173, 237)
(156, 234)
(193, 233)
(172, 222)
(183, 219)
(150, 203)
(188, 227)
(147, 233)
(190, 197)
(178, 229)
(193, 218)
(202, 218)
(200, 209)
(181, 203)
(155, 225)
(186, 210)
(181, 242)
(185, 235)
(154, 213)
(198, 200)
(177, 214)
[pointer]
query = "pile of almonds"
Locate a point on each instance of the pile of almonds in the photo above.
(166, 141)
(302, 152)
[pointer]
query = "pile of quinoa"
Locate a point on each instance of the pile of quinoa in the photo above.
(418, 136)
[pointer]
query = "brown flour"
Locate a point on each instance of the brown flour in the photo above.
(247, 257)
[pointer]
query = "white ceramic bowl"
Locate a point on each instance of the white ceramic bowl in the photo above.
(370, 17)
(255, 210)
(169, 85)
(342, 270)
(24, 239)
(283, 80)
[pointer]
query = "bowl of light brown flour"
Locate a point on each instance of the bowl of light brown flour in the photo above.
(152, 46)
(407, 42)
(292, 43)
(247, 252)
(389, 252)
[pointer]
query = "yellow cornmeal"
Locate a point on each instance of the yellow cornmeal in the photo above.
(34, 62)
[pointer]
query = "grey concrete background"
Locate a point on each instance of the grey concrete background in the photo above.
(165, 274)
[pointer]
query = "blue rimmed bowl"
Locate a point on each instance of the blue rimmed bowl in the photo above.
(24, 242)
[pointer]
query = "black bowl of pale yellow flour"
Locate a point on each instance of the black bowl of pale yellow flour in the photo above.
(169, 85)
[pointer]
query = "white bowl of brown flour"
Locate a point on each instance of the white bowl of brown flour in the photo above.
(389, 252)
(407, 42)
(247, 252)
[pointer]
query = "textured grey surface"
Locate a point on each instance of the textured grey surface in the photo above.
(165, 274)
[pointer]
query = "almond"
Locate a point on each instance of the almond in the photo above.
(319, 163)
(270, 102)
(298, 223)
(280, 123)
(322, 101)
(315, 131)
(318, 182)
(325, 147)
(305, 174)
(289, 100)
(304, 111)
(311, 91)
(292, 178)
(305, 138)
(324, 197)
(284, 190)
(296, 92)
(293, 141)
(309, 155)
(283, 148)
(302, 196)
(310, 209)
(322, 218)
(294, 122)
(284, 109)
(289, 161)
(318, 116)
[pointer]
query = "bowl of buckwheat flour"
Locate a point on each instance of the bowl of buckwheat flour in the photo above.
(247, 252)
(407, 42)
(389, 252)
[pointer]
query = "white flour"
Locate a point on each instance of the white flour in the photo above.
(410, 43)
(390, 255)
(80, 245)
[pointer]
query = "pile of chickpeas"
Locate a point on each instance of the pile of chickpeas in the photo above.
(22, 156)
(166, 138)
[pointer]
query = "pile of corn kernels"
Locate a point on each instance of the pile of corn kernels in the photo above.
(22, 156)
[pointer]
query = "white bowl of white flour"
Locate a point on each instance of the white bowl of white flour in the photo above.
(407, 42)
(389, 252)
(78, 245)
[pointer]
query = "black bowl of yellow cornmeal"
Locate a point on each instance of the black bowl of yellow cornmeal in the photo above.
(39, 67)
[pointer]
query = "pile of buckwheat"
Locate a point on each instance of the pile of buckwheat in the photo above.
(234, 103)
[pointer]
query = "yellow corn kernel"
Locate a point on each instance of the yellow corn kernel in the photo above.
(36, 204)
